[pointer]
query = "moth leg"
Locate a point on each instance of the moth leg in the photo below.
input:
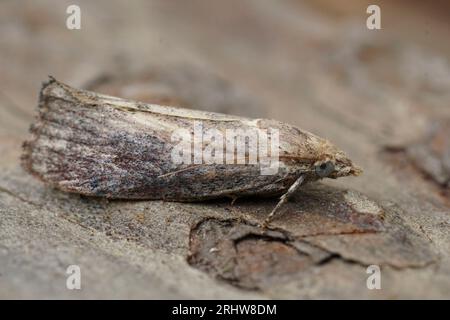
(283, 199)
(233, 199)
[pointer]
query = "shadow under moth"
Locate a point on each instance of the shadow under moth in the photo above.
(103, 146)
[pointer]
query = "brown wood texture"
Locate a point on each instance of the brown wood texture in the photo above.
(382, 96)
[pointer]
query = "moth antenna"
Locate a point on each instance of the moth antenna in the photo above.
(178, 171)
(283, 199)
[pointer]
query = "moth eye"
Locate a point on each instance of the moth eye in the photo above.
(324, 169)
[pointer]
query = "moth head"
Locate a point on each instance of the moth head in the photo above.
(334, 163)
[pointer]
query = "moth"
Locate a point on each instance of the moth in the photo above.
(98, 145)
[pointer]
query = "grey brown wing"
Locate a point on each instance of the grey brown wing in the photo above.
(100, 150)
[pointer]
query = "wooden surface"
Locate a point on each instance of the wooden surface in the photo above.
(382, 96)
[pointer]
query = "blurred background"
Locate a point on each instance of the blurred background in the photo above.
(383, 95)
